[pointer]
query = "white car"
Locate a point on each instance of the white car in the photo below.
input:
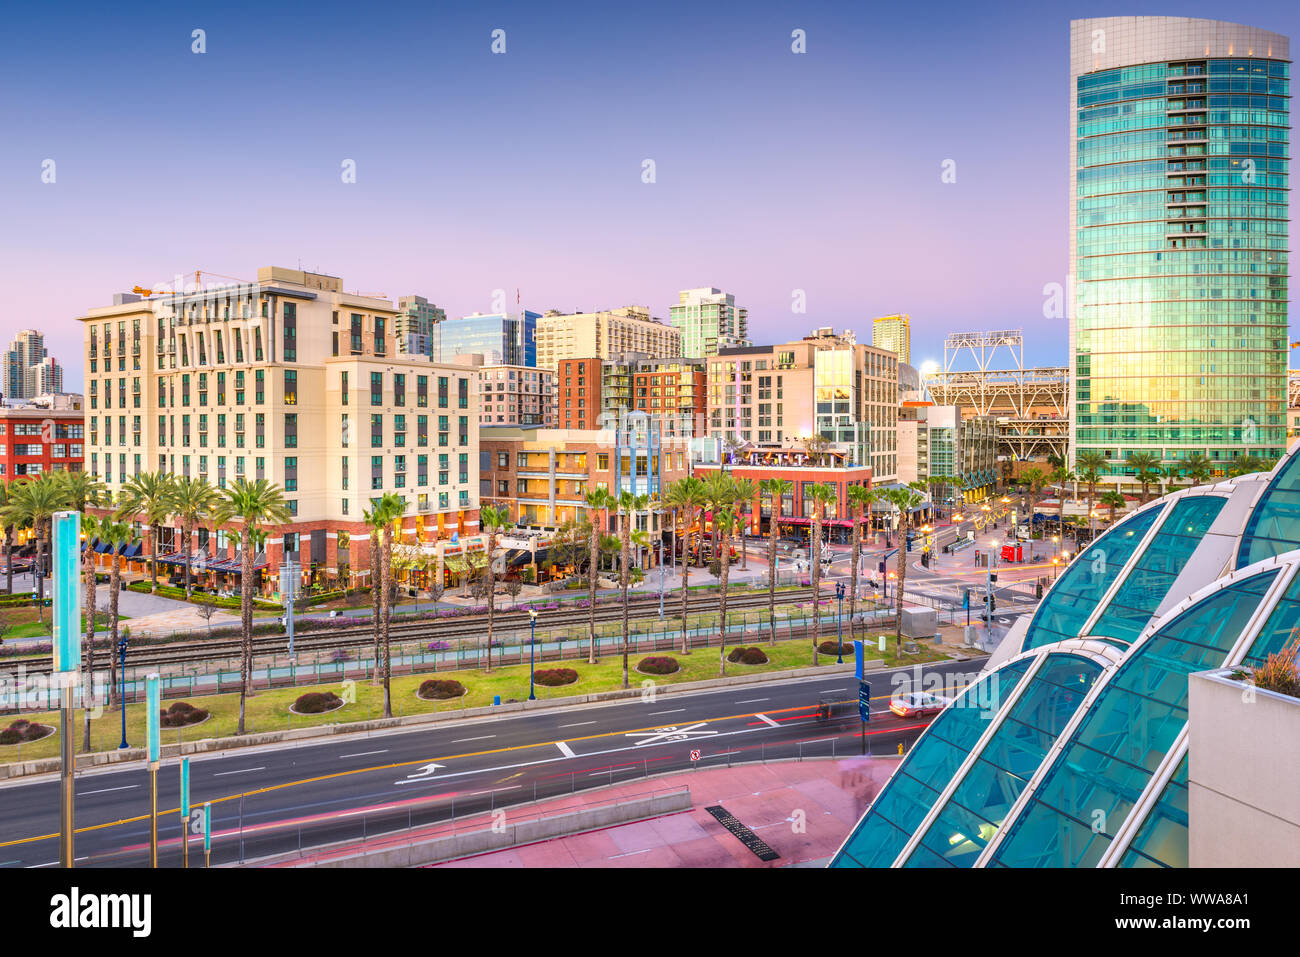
(913, 704)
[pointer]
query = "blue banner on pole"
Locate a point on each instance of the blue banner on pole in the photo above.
(207, 827)
(67, 592)
(185, 788)
(153, 699)
(857, 660)
(864, 700)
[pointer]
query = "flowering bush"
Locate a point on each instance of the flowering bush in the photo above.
(437, 646)
(657, 665)
(551, 677)
(439, 688)
(317, 702)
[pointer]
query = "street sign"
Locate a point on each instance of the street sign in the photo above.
(207, 827)
(153, 697)
(857, 660)
(695, 755)
(864, 700)
(185, 787)
(290, 578)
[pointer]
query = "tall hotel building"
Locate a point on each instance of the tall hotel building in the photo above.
(291, 380)
(1179, 146)
(709, 321)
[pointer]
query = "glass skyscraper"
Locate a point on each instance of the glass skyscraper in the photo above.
(1179, 154)
(502, 338)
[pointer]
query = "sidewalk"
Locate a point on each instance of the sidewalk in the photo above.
(802, 810)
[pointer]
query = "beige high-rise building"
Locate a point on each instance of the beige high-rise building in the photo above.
(826, 384)
(292, 380)
(603, 335)
(894, 333)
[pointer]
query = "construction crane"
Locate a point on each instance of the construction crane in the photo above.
(198, 283)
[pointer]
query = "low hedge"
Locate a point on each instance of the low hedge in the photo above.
(658, 665)
(830, 648)
(22, 731)
(747, 656)
(441, 688)
(169, 591)
(317, 702)
(180, 714)
(554, 677)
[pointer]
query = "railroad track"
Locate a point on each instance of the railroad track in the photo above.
(431, 630)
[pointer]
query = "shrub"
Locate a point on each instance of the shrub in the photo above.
(830, 648)
(553, 677)
(317, 702)
(180, 714)
(657, 665)
(438, 688)
(23, 730)
(1279, 671)
(438, 646)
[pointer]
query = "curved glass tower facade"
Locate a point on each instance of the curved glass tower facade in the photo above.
(1179, 163)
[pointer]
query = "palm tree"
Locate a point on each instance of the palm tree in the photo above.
(628, 506)
(1146, 469)
(252, 504)
(1112, 500)
(90, 529)
(1091, 465)
(1061, 475)
(1197, 468)
(820, 493)
(596, 500)
(725, 521)
(8, 525)
(1247, 465)
(719, 492)
(150, 494)
(32, 503)
(861, 498)
(390, 508)
(374, 521)
(673, 503)
(81, 489)
(192, 502)
(905, 500)
(745, 490)
(695, 496)
(775, 489)
(1034, 478)
(492, 520)
(119, 535)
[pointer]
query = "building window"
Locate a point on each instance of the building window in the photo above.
(291, 430)
(290, 386)
(376, 431)
(376, 388)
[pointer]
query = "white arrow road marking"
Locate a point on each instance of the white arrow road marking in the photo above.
(426, 771)
(565, 749)
(671, 733)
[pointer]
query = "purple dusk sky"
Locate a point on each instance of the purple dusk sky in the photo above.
(775, 171)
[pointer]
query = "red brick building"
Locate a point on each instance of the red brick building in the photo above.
(34, 441)
(577, 404)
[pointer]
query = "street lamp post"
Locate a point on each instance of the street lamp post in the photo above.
(661, 579)
(121, 668)
(839, 594)
(532, 651)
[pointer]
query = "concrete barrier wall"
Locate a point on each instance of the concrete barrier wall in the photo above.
(455, 846)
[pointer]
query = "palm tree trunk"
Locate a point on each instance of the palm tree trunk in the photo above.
(387, 570)
(771, 577)
(686, 594)
(376, 597)
(153, 558)
(816, 552)
(87, 692)
(40, 579)
(725, 560)
(187, 529)
(591, 620)
(904, 527)
(491, 600)
(625, 533)
(9, 559)
(245, 620)
(114, 583)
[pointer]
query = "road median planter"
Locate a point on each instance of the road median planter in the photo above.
(440, 689)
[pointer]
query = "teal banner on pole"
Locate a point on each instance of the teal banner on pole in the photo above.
(185, 788)
(207, 827)
(154, 706)
(67, 592)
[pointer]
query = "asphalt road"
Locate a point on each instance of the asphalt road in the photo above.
(357, 786)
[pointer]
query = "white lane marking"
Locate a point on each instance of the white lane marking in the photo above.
(241, 771)
(565, 749)
(362, 754)
(763, 717)
(751, 701)
(481, 737)
(670, 733)
(673, 711)
(125, 787)
(578, 725)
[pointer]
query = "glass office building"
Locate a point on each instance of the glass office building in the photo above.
(1179, 156)
(502, 338)
(1071, 749)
